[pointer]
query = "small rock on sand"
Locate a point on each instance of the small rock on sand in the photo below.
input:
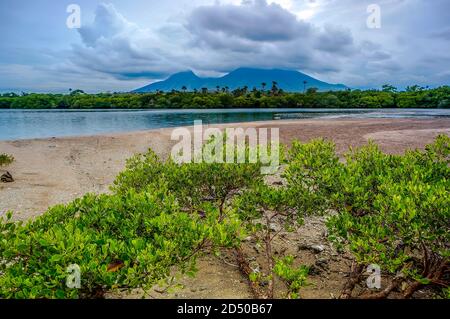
(7, 178)
(315, 248)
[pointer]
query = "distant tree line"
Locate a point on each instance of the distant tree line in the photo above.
(272, 97)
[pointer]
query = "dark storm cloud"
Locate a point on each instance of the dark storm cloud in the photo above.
(259, 34)
(256, 21)
(334, 39)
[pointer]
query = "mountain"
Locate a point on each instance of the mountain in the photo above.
(289, 81)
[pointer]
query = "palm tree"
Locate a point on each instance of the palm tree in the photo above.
(263, 85)
(304, 85)
(184, 88)
(274, 87)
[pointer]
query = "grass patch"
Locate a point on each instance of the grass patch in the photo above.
(6, 159)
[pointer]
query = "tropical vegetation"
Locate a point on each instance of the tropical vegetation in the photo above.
(389, 210)
(272, 97)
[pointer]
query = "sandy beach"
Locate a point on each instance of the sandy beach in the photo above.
(57, 170)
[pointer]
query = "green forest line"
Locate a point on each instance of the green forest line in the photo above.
(387, 97)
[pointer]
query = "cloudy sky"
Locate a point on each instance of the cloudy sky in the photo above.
(122, 45)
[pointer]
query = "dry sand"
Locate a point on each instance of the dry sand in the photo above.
(57, 170)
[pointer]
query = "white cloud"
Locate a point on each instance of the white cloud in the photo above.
(212, 39)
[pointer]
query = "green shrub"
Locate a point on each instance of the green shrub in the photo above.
(234, 189)
(392, 210)
(119, 242)
(195, 185)
(160, 216)
(295, 277)
(230, 189)
(312, 175)
(260, 209)
(6, 159)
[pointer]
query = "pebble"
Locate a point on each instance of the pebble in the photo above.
(274, 227)
(323, 262)
(318, 248)
(315, 248)
(7, 178)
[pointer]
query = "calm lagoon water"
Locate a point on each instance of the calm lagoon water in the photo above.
(26, 124)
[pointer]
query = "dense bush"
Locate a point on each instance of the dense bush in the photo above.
(312, 175)
(396, 213)
(388, 97)
(119, 242)
(392, 210)
(265, 212)
(195, 185)
(231, 190)
(161, 215)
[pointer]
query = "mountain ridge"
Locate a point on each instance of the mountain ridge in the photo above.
(288, 80)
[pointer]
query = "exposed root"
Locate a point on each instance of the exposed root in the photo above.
(355, 276)
(246, 270)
